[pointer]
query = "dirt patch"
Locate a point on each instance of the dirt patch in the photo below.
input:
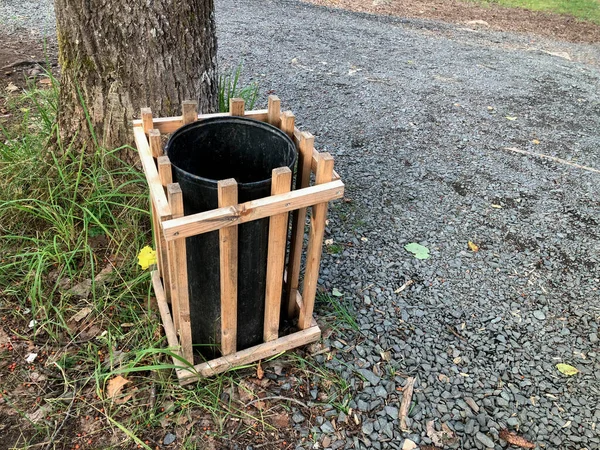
(557, 26)
(23, 57)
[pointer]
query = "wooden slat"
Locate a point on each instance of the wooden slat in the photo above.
(250, 355)
(305, 148)
(165, 175)
(189, 111)
(274, 111)
(165, 171)
(157, 192)
(165, 313)
(236, 107)
(287, 123)
(169, 124)
(155, 143)
(253, 210)
(313, 164)
(179, 280)
(315, 244)
(228, 247)
(278, 227)
(146, 114)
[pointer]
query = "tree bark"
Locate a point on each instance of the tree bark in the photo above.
(118, 56)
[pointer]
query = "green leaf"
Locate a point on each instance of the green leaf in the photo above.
(567, 369)
(418, 250)
(336, 293)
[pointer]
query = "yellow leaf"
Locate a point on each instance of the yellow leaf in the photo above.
(146, 257)
(496, 206)
(511, 117)
(474, 247)
(115, 386)
(567, 369)
(535, 141)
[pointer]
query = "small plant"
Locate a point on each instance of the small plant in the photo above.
(335, 249)
(340, 311)
(229, 87)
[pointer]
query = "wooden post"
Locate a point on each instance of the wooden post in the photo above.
(165, 173)
(315, 244)
(236, 107)
(147, 119)
(228, 246)
(155, 143)
(274, 111)
(166, 177)
(287, 123)
(189, 110)
(278, 227)
(179, 284)
(306, 145)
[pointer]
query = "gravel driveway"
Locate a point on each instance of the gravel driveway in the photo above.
(418, 115)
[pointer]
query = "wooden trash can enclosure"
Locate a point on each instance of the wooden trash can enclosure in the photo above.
(284, 294)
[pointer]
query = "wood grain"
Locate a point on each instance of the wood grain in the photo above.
(278, 228)
(228, 249)
(315, 244)
(253, 210)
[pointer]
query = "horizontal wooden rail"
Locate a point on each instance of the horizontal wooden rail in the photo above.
(249, 355)
(170, 124)
(157, 192)
(253, 210)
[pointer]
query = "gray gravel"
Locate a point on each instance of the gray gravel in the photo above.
(35, 17)
(415, 113)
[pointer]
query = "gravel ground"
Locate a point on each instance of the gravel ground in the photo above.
(37, 17)
(415, 113)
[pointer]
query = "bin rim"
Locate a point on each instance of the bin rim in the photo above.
(212, 182)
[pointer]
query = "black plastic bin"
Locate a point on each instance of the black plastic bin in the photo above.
(202, 153)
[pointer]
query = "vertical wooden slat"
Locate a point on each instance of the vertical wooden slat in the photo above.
(306, 145)
(146, 119)
(178, 272)
(189, 111)
(278, 226)
(165, 173)
(228, 246)
(236, 106)
(287, 123)
(166, 177)
(274, 111)
(315, 244)
(155, 143)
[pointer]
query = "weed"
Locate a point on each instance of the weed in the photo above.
(339, 314)
(229, 87)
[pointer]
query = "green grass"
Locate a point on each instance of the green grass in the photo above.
(230, 87)
(581, 9)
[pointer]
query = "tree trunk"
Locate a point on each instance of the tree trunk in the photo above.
(118, 56)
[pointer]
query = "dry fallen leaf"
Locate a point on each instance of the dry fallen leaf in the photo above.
(281, 420)
(115, 386)
(11, 87)
(567, 369)
(474, 247)
(515, 439)
(260, 373)
(535, 141)
(82, 314)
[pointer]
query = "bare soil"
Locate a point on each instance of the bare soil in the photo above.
(519, 20)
